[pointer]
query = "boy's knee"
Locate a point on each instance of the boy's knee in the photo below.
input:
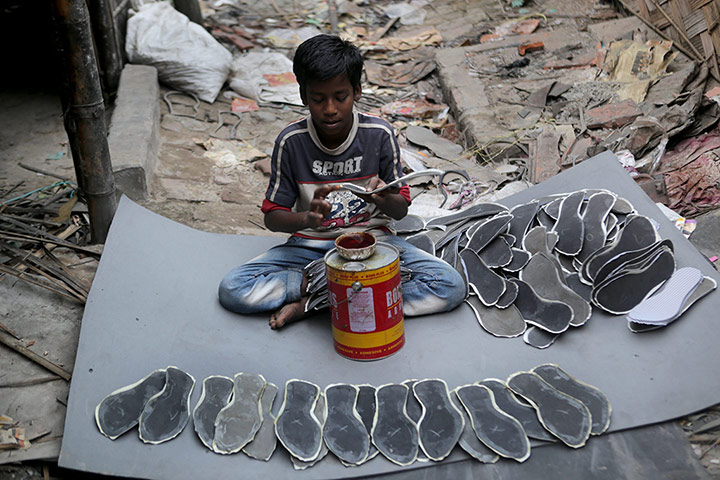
(229, 297)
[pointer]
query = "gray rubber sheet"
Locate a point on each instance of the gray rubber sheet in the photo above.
(154, 303)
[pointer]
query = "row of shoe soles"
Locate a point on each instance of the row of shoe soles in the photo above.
(401, 421)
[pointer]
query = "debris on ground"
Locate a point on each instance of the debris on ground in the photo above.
(36, 223)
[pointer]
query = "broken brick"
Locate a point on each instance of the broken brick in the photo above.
(530, 47)
(612, 115)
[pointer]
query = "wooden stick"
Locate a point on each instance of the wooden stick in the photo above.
(27, 383)
(57, 276)
(12, 334)
(705, 452)
(10, 342)
(30, 228)
(85, 287)
(380, 33)
(18, 185)
(44, 172)
(31, 220)
(22, 237)
(11, 271)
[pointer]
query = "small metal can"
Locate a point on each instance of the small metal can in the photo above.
(366, 303)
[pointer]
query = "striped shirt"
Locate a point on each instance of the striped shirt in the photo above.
(301, 163)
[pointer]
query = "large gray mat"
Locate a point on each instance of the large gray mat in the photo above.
(154, 303)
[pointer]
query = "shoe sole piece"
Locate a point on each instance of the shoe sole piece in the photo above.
(344, 432)
(476, 211)
(545, 220)
(539, 338)
(552, 209)
(366, 409)
(500, 322)
(637, 233)
(497, 253)
(487, 285)
(296, 426)
(668, 301)
(523, 413)
(488, 231)
(120, 411)
(408, 224)
(450, 252)
(413, 409)
(264, 443)
(706, 286)
(393, 432)
(595, 231)
(539, 240)
(550, 315)
(167, 412)
(237, 423)
(461, 268)
(622, 207)
(540, 273)
(523, 216)
(596, 402)
(570, 225)
(500, 432)
(508, 297)
(627, 260)
(441, 423)
(519, 260)
(216, 394)
(468, 441)
(319, 412)
(452, 232)
(561, 415)
(423, 242)
(582, 289)
(623, 292)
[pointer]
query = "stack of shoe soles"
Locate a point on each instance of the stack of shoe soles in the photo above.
(536, 269)
(416, 420)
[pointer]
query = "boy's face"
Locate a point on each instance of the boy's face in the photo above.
(331, 103)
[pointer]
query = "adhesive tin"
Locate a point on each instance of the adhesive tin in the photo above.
(366, 303)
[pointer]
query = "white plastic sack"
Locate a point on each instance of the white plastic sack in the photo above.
(247, 77)
(186, 56)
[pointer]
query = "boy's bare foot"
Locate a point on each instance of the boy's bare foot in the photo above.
(288, 313)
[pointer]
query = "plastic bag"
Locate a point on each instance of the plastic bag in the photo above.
(186, 56)
(249, 77)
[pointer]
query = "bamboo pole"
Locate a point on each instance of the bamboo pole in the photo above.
(84, 114)
(106, 40)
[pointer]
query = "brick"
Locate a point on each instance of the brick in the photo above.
(612, 115)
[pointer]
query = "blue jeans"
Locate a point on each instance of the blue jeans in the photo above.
(273, 279)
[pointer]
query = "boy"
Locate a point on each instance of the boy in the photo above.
(334, 144)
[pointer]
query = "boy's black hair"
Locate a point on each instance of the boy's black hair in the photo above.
(323, 57)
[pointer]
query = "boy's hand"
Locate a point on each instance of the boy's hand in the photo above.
(319, 207)
(378, 198)
(389, 201)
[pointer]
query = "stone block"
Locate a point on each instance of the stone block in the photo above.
(134, 134)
